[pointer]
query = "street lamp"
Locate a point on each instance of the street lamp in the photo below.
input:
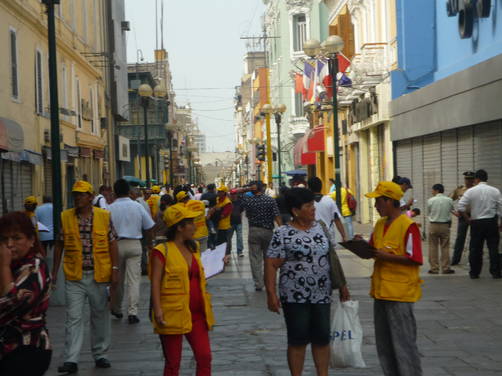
(278, 111)
(145, 92)
(330, 48)
(267, 109)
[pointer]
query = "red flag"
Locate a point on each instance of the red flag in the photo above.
(299, 83)
(343, 63)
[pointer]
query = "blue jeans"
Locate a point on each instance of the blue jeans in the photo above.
(349, 227)
(238, 230)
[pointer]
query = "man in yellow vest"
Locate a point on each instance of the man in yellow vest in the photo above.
(90, 263)
(197, 206)
(224, 209)
(346, 212)
(30, 204)
(154, 201)
(395, 283)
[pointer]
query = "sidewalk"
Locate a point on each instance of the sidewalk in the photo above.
(459, 329)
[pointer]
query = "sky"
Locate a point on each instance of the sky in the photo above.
(202, 38)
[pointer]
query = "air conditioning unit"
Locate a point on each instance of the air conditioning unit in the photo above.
(125, 26)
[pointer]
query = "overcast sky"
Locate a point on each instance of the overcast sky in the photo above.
(202, 38)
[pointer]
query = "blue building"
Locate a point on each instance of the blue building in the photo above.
(447, 92)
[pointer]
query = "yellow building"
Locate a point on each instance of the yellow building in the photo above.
(24, 102)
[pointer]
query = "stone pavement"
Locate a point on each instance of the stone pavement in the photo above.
(459, 329)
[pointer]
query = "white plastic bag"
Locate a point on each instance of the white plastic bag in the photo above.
(347, 336)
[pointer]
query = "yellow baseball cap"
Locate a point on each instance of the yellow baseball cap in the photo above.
(387, 189)
(181, 195)
(30, 200)
(156, 189)
(177, 213)
(82, 186)
(222, 188)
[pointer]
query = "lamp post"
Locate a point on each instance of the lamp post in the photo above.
(268, 110)
(279, 110)
(330, 48)
(145, 92)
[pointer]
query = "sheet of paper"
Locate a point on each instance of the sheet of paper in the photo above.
(360, 247)
(42, 227)
(212, 260)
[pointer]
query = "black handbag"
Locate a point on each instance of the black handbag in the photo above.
(336, 273)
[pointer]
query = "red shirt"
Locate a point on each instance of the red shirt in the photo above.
(413, 247)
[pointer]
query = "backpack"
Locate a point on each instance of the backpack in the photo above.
(351, 203)
(98, 201)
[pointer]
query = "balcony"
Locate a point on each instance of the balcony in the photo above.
(298, 126)
(156, 132)
(371, 66)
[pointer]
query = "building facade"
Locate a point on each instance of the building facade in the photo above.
(446, 91)
(83, 63)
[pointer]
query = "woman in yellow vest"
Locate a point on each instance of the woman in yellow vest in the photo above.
(224, 209)
(181, 305)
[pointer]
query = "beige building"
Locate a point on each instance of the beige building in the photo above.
(85, 68)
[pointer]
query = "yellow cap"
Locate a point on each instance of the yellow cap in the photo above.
(156, 189)
(222, 188)
(30, 200)
(181, 195)
(82, 186)
(387, 189)
(177, 213)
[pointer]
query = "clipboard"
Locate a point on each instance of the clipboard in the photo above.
(212, 261)
(361, 248)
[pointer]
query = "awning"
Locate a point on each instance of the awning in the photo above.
(48, 154)
(11, 136)
(315, 140)
(24, 156)
(72, 151)
(302, 157)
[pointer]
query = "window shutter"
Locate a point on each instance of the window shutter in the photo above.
(39, 101)
(13, 61)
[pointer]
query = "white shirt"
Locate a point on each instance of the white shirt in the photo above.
(100, 201)
(129, 218)
(325, 210)
(483, 200)
(143, 203)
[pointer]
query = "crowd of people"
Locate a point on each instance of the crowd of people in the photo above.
(106, 241)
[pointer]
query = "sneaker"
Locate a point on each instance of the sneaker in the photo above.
(449, 271)
(496, 276)
(117, 315)
(241, 254)
(474, 276)
(433, 272)
(133, 319)
(102, 363)
(68, 368)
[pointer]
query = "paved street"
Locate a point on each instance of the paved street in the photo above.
(459, 323)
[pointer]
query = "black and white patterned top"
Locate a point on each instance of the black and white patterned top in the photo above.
(304, 277)
(261, 210)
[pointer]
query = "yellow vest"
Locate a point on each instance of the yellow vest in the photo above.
(154, 204)
(200, 221)
(72, 261)
(345, 210)
(390, 280)
(175, 293)
(224, 223)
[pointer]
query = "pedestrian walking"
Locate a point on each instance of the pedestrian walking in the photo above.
(326, 209)
(236, 222)
(181, 305)
(395, 283)
(90, 262)
(485, 204)
(198, 195)
(44, 215)
(223, 209)
(131, 221)
(30, 205)
(439, 208)
(25, 347)
(136, 195)
(261, 211)
(281, 204)
(210, 196)
(154, 201)
(104, 197)
(197, 206)
(160, 229)
(300, 249)
(347, 212)
(407, 199)
(462, 225)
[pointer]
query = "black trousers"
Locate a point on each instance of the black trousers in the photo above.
(484, 230)
(225, 236)
(458, 248)
(26, 360)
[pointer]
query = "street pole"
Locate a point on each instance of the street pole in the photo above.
(278, 119)
(55, 139)
(171, 177)
(333, 66)
(147, 152)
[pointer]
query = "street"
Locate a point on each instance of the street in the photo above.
(459, 328)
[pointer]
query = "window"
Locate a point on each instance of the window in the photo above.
(299, 31)
(13, 64)
(79, 105)
(299, 111)
(64, 90)
(39, 85)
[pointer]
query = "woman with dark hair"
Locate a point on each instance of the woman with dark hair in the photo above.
(25, 348)
(160, 228)
(301, 250)
(181, 305)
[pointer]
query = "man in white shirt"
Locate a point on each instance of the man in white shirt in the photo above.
(101, 200)
(129, 219)
(326, 209)
(485, 204)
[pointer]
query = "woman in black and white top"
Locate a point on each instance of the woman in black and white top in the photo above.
(300, 250)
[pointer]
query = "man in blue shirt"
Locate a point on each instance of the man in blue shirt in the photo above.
(44, 216)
